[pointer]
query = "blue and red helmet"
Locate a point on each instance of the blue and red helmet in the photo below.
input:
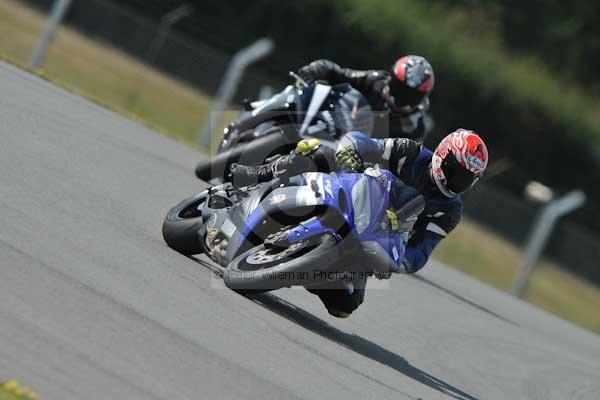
(412, 80)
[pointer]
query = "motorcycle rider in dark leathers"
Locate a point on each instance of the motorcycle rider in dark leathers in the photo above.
(439, 176)
(400, 97)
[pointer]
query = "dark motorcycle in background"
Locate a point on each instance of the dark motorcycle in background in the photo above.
(275, 125)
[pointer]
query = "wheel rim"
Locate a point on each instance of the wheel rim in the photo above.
(270, 255)
(266, 258)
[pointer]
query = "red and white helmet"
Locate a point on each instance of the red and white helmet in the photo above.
(458, 162)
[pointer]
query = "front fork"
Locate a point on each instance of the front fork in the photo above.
(306, 230)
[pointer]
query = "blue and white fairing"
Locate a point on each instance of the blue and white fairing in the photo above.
(360, 198)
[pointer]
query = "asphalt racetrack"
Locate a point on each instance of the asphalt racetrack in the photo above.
(94, 305)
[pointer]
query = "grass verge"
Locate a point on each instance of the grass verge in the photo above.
(481, 253)
(123, 84)
(104, 74)
(13, 390)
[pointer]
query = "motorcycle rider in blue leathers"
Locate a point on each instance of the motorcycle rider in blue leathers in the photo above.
(439, 176)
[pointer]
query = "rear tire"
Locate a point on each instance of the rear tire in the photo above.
(257, 271)
(182, 223)
(246, 153)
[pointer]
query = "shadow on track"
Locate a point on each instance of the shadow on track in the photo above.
(461, 298)
(355, 343)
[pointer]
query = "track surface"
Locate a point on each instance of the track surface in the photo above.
(93, 305)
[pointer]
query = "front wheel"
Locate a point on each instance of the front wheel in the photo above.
(182, 223)
(262, 269)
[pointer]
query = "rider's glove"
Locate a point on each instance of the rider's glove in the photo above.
(307, 74)
(243, 175)
(348, 160)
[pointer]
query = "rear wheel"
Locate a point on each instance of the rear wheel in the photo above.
(254, 152)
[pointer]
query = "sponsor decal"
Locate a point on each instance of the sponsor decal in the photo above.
(277, 198)
(305, 196)
(374, 172)
(212, 221)
(328, 187)
(216, 242)
(228, 228)
(475, 162)
(315, 187)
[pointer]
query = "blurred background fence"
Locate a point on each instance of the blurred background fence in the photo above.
(185, 58)
(171, 88)
(571, 245)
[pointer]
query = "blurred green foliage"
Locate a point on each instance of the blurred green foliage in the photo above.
(459, 42)
(565, 35)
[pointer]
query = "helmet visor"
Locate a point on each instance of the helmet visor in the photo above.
(404, 95)
(458, 178)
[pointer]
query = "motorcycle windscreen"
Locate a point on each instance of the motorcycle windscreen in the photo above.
(353, 113)
(370, 199)
(361, 199)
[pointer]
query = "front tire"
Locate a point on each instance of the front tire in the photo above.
(182, 223)
(261, 270)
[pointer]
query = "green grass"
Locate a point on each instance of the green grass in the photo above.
(488, 257)
(13, 390)
(104, 74)
(121, 83)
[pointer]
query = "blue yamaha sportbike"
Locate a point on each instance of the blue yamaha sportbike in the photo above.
(304, 230)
